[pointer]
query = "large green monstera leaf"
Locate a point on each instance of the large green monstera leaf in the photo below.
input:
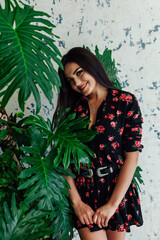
(29, 49)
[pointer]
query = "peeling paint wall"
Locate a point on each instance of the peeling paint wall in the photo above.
(131, 28)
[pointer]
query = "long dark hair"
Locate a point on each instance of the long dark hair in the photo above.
(90, 63)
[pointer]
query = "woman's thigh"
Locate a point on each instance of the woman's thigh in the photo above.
(86, 234)
(114, 235)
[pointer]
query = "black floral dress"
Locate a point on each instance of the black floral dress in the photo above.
(119, 129)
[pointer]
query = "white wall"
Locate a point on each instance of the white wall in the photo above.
(131, 29)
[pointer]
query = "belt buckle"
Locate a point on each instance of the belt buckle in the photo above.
(103, 174)
(90, 173)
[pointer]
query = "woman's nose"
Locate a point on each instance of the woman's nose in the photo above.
(77, 81)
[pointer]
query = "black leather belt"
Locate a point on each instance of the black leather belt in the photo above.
(100, 172)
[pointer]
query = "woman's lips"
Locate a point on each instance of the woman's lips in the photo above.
(83, 87)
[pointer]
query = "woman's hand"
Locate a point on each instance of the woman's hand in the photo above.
(103, 214)
(84, 212)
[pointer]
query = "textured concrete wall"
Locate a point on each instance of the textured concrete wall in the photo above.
(131, 29)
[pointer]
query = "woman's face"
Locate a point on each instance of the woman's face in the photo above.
(79, 80)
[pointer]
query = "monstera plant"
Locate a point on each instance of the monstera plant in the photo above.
(34, 154)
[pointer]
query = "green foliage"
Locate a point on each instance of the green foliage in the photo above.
(138, 178)
(68, 138)
(23, 223)
(29, 52)
(8, 176)
(63, 222)
(108, 64)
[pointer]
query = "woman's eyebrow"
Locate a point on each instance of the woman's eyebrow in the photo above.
(73, 72)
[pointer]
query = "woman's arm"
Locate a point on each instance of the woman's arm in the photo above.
(104, 213)
(83, 211)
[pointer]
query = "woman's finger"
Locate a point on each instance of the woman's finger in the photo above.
(95, 218)
(106, 222)
(99, 221)
(86, 220)
(103, 222)
(91, 218)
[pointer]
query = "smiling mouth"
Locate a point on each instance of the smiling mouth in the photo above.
(83, 87)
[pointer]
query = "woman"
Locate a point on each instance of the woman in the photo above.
(104, 197)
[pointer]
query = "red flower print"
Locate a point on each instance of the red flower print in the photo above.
(113, 107)
(135, 116)
(81, 180)
(118, 112)
(114, 180)
(87, 194)
(130, 193)
(115, 99)
(101, 146)
(113, 124)
(129, 216)
(100, 129)
(121, 204)
(101, 160)
(109, 157)
(95, 155)
(136, 223)
(138, 200)
(121, 131)
(140, 131)
(88, 186)
(128, 98)
(134, 129)
(90, 226)
(119, 161)
(92, 165)
(75, 110)
(111, 138)
(125, 223)
(79, 224)
(114, 92)
(95, 200)
(83, 115)
(105, 116)
(130, 138)
(92, 180)
(138, 143)
(117, 210)
(122, 96)
(88, 180)
(127, 125)
(79, 108)
(121, 228)
(102, 180)
(130, 113)
(111, 116)
(115, 144)
(133, 185)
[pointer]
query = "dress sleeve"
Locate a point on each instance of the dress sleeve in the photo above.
(133, 126)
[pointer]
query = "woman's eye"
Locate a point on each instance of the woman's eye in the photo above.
(70, 80)
(79, 72)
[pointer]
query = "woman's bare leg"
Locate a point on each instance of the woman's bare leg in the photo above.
(114, 235)
(86, 234)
